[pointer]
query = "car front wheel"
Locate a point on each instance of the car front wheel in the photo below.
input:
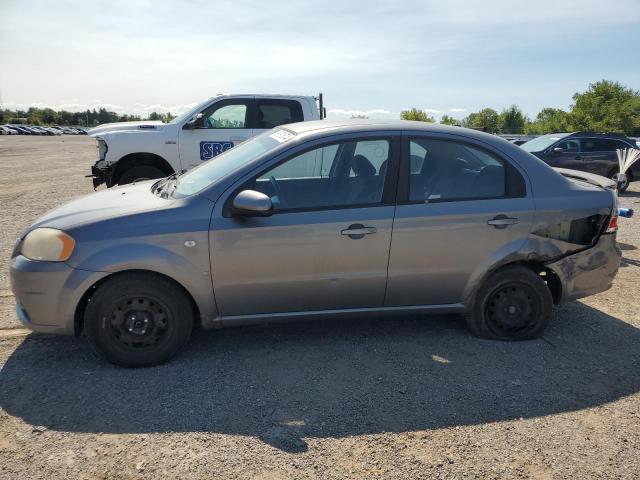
(138, 319)
(513, 304)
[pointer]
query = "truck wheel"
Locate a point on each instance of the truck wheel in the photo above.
(140, 173)
(513, 304)
(138, 319)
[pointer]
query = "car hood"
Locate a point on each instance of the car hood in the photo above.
(127, 126)
(114, 202)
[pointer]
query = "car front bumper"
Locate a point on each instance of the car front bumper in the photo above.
(589, 271)
(47, 293)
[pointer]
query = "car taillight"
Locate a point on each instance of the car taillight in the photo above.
(613, 223)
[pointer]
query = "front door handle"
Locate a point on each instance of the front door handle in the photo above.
(502, 221)
(357, 230)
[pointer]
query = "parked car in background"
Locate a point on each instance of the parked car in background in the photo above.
(132, 151)
(6, 130)
(315, 220)
(42, 130)
(21, 130)
(586, 151)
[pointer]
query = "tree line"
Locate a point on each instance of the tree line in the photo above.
(606, 106)
(88, 118)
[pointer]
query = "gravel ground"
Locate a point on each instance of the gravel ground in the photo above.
(401, 398)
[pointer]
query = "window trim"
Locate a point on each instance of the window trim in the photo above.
(389, 192)
(404, 181)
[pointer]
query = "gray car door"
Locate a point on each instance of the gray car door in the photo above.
(325, 247)
(461, 209)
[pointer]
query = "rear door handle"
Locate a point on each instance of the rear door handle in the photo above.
(357, 230)
(502, 221)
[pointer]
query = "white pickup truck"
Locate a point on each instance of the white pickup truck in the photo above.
(135, 151)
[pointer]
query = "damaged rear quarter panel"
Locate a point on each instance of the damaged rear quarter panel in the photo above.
(590, 271)
(566, 238)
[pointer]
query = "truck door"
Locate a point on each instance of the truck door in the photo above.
(223, 124)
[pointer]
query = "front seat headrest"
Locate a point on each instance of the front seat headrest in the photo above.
(362, 166)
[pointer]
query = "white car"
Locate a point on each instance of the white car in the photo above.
(136, 151)
(7, 131)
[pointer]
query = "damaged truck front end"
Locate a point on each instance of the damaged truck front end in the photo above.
(101, 172)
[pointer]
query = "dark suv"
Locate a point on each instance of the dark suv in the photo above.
(586, 151)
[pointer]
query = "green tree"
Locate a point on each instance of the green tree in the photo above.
(607, 106)
(448, 120)
(416, 114)
(511, 120)
(550, 120)
(485, 120)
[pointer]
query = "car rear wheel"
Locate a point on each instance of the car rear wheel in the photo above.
(513, 304)
(138, 319)
(140, 173)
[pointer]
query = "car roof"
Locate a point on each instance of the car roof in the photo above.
(356, 125)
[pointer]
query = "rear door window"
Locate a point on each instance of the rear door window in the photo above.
(273, 112)
(442, 170)
(600, 145)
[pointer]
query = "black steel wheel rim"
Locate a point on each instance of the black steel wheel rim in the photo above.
(139, 323)
(512, 310)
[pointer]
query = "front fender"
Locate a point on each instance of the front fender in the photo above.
(189, 266)
(162, 143)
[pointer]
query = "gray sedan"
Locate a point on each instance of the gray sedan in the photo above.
(321, 219)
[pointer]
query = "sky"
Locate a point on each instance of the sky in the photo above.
(372, 58)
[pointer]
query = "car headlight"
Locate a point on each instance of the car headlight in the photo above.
(102, 148)
(47, 245)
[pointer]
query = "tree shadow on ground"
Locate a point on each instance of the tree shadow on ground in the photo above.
(283, 383)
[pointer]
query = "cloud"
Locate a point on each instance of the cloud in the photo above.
(457, 110)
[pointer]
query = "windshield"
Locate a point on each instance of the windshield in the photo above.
(541, 143)
(225, 163)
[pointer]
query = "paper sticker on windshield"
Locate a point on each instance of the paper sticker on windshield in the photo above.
(282, 136)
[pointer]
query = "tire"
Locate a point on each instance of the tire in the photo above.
(612, 175)
(513, 304)
(150, 334)
(140, 173)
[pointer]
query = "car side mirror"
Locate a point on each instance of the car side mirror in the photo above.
(557, 150)
(195, 122)
(249, 203)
